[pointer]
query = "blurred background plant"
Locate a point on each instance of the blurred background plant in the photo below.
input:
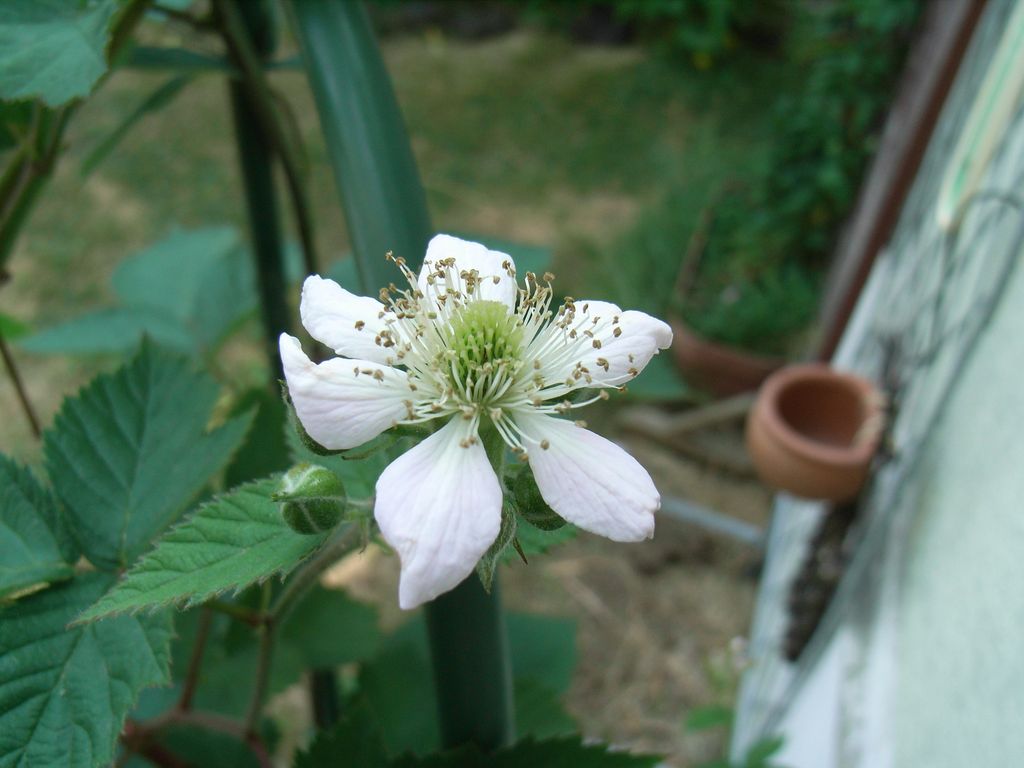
(690, 156)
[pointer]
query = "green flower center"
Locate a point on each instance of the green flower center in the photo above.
(487, 341)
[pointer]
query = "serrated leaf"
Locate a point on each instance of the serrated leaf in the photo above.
(64, 693)
(159, 98)
(328, 628)
(35, 547)
(564, 752)
(115, 330)
(53, 49)
(228, 543)
(130, 451)
(356, 740)
(203, 278)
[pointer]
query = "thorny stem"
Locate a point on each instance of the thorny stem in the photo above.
(254, 80)
(19, 388)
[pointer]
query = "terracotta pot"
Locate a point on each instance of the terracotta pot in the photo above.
(717, 368)
(813, 431)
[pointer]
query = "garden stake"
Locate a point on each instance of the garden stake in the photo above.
(256, 154)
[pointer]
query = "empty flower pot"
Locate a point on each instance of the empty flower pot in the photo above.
(813, 431)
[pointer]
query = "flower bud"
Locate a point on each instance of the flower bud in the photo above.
(314, 499)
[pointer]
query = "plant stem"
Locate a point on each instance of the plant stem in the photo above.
(472, 670)
(19, 388)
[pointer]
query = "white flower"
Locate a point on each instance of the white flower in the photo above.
(465, 343)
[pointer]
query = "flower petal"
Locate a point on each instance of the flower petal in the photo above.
(348, 324)
(439, 506)
(589, 480)
(341, 402)
(610, 346)
(496, 283)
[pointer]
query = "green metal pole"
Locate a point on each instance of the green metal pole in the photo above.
(256, 154)
(386, 210)
(469, 649)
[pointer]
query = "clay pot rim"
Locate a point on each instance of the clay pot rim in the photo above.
(812, 450)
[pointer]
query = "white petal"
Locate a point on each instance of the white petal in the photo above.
(490, 265)
(343, 403)
(590, 481)
(346, 323)
(439, 506)
(613, 345)
(634, 322)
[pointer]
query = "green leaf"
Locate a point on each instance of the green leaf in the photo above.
(35, 547)
(759, 754)
(203, 278)
(398, 686)
(328, 628)
(530, 503)
(398, 683)
(228, 543)
(12, 328)
(53, 49)
(14, 122)
(704, 718)
(116, 330)
(359, 476)
(265, 450)
(355, 741)
(488, 564)
(534, 541)
(64, 693)
(131, 450)
(565, 752)
(373, 164)
(156, 100)
(179, 60)
(542, 649)
(539, 711)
